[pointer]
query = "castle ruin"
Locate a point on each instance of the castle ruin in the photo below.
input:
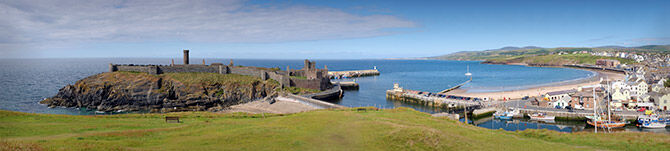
(307, 77)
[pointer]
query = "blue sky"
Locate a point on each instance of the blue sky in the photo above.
(319, 29)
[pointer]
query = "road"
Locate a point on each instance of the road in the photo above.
(526, 105)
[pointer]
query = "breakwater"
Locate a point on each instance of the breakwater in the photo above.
(347, 85)
(594, 67)
(435, 100)
(352, 73)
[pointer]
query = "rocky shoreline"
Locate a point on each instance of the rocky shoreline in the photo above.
(161, 93)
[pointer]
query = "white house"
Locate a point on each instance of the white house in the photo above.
(634, 87)
(561, 103)
(621, 94)
(638, 88)
(557, 95)
(657, 87)
(663, 102)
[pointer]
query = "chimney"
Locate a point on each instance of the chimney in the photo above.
(185, 56)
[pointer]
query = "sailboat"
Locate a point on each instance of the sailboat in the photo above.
(602, 122)
(599, 121)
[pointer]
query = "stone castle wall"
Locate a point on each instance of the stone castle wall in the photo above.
(246, 71)
(319, 83)
(188, 68)
(151, 69)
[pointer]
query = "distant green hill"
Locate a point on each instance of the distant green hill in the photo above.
(549, 56)
(507, 52)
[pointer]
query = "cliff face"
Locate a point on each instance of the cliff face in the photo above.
(165, 92)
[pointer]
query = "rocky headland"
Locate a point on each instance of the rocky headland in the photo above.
(132, 91)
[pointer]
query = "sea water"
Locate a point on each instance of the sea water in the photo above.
(25, 82)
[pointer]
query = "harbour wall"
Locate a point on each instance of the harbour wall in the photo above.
(563, 115)
(353, 73)
(313, 102)
(432, 101)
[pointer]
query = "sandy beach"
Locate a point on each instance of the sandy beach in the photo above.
(536, 91)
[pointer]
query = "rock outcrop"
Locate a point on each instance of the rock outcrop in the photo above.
(162, 93)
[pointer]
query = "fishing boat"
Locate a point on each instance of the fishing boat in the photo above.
(501, 115)
(651, 121)
(506, 115)
(541, 117)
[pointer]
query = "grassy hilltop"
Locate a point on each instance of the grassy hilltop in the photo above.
(112, 91)
(345, 129)
(538, 55)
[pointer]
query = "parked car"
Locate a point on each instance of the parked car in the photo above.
(641, 109)
(525, 98)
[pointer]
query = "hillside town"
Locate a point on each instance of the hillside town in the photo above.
(644, 87)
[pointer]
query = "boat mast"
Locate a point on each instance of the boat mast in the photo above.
(594, 111)
(467, 73)
(609, 99)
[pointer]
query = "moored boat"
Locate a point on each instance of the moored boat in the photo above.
(502, 115)
(505, 115)
(602, 122)
(606, 124)
(541, 116)
(651, 121)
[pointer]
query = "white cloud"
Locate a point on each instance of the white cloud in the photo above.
(191, 21)
(652, 41)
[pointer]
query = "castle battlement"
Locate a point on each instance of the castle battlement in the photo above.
(313, 78)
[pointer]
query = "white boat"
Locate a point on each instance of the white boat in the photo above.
(541, 117)
(651, 121)
(503, 115)
(506, 115)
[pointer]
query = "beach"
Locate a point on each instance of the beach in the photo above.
(540, 90)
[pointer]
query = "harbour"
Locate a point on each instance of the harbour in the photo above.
(334, 75)
(364, 91)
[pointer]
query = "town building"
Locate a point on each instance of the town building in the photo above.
(559, 99)
(582, 100)
(663, 101)
(608, 63)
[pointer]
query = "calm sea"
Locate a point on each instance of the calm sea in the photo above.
(25, 82)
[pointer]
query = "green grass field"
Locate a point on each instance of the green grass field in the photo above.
(345, 129)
